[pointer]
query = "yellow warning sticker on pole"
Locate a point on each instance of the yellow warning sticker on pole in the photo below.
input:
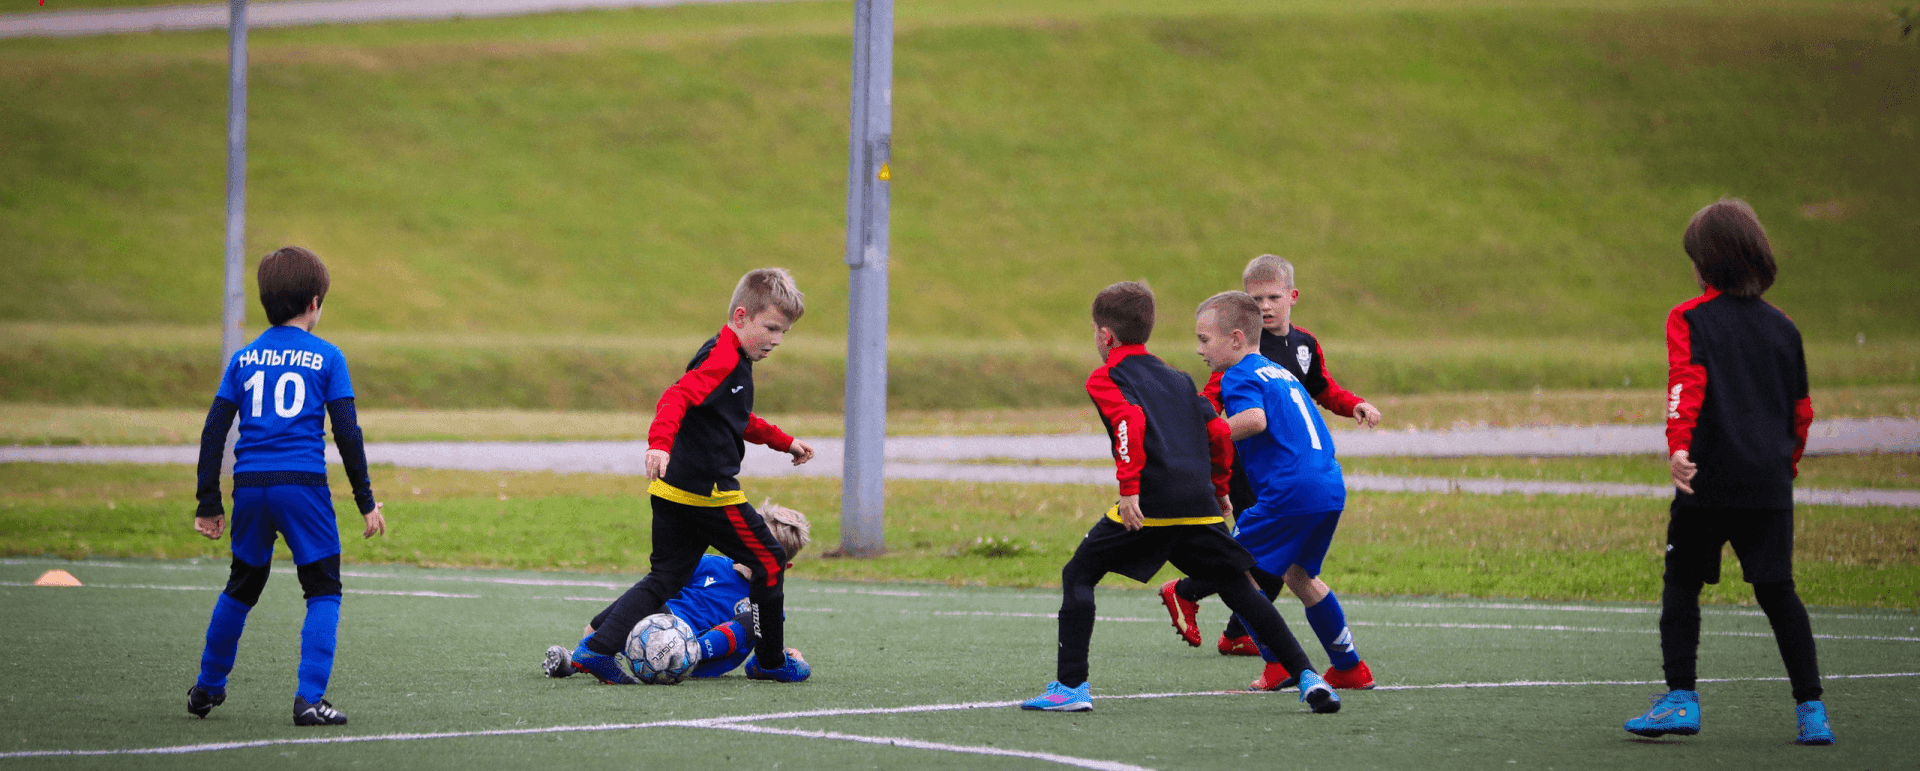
(886, 172)
(56, 578)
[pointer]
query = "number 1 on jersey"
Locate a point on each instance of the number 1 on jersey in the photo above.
(1305, 416)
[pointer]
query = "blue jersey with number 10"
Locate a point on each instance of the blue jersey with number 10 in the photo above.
(282, 382)
(1290, 464)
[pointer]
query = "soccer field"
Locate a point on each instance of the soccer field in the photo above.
(439, 669)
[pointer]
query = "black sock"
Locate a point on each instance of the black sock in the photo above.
(1793, 633)
(1680, 631)
(1076, 626)
(1270, 587)
(1267, 625)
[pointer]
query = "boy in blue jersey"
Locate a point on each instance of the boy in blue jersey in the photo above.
(1288, 455)
(715, 603)
(279, 386)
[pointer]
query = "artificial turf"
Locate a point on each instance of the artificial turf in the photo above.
(437, 651)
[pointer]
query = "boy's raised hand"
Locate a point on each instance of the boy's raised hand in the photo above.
(1366, 414)
(656, 464)
(211, 527)
(376, 523)
(801, 452)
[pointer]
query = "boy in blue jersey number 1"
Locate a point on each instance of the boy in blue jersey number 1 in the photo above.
(1171, 458)
(279, 386)
(715, 603)
(1288, 455)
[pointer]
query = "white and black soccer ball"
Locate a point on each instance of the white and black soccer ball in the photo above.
(662, 649)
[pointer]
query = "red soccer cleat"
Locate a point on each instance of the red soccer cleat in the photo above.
(1238, 646)
(1273, 678)
(1185, 614)
(1359, 678)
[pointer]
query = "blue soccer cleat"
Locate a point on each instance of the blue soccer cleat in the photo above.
(1317, 695)
(603, 666)
(1060, 698)
(793, 670)
(1673, 712)
(1813, 724)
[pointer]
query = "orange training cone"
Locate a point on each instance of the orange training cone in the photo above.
(56, 578)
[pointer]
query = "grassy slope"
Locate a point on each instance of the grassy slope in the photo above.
(1445, 169)
(1481, 546)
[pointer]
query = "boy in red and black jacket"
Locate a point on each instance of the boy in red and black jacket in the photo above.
(1737, 418)
(1173, 455)
(699, 433)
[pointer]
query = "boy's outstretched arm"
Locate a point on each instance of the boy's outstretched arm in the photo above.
(1126, 425)
(353, 455)
(763, 433)
(210, 518)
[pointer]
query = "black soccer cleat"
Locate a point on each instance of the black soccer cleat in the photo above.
(200, 701)
(316, 714)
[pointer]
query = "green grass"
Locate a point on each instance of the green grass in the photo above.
(146, 366)
(912, 646)
(1542, 547)
(40, 424)
(1891, 470)
(1503, 171)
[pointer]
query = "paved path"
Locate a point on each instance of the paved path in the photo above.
(176, 18)
(947, 457)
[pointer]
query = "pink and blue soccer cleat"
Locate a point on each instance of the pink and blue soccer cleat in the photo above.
(1060, 698)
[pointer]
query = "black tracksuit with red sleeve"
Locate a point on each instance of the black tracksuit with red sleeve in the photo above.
(1737, 403)
(1737, 400)
(703, 422)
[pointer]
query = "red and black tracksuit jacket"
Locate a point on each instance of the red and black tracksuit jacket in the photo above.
(1169, 446)
(1737, 400)
(704, 421)
(1299, 351)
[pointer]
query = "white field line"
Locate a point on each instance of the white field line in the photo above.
(1065, 760)
(437, 595)
(737, 720)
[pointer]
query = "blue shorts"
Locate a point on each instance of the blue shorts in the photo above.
(1280, 542)
(303, 513)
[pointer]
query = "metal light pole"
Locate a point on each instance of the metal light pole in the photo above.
(233, 314)
(862, 492)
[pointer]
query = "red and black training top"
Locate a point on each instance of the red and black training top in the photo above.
(1169, 447)
(1299, 351)
(705, 420)
(1737, 400)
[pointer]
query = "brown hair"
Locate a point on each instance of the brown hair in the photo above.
(790, 528)
(1127, 309)
(1234, 310)
(1730, 249)
(766, 287)
(288, 279)
(1266, 268)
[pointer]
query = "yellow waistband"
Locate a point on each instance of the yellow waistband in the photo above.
(1114, 514)
(718, 498)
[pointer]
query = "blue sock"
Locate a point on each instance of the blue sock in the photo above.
(223, 642)
(723, 641)
(1329, 623)
(316, 646)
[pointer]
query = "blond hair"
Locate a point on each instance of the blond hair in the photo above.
(768, 287)
(1231, 311)
(1266, 268)
(789, 527)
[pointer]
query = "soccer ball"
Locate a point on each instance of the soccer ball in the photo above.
(662, 649)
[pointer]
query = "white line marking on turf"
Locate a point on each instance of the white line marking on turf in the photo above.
(734, 720)
(1099, 765)
(218, 588)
